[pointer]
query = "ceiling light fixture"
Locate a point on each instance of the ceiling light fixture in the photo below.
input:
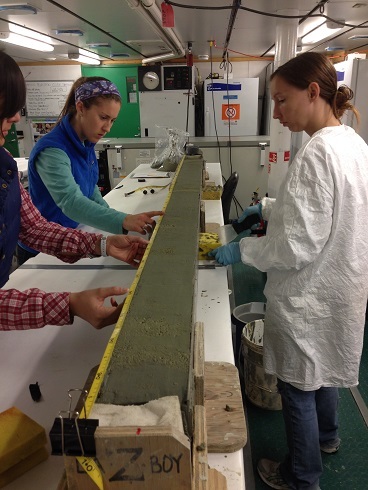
(69, 32)
(89, 54)
(334, 48)
(99, 45)
(159, 57)
(23, 31)
(25, 42)
(119, 55)
(152, 15)
(359, 36)
(22, 9)
(321, 32)
(83, 59)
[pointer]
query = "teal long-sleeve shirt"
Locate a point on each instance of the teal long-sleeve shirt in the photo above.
(54, 168)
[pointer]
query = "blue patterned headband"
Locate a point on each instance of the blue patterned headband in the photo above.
(88, 90)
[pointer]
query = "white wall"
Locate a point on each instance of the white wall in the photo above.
(72, 72)
(43, 73)
(242, 69)
(246, 69)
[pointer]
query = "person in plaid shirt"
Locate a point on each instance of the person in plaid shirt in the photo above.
(19, 219)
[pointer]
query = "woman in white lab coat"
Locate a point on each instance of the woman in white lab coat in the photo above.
(316, 256)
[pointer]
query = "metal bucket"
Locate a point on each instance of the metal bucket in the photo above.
(260, 387)
(240, 316)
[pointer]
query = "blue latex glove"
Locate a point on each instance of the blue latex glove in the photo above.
(250, 210)
(227, 254)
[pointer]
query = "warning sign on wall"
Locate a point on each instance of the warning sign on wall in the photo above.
(230, 111)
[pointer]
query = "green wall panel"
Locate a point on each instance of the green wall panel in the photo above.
(11, 142)
(127, 125)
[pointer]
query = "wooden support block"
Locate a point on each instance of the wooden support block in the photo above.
(63, 483)
(199, 450)
(146, 458)
(151, 457)
(216, 480)
(20, 437)
(23, 466)
(204, 477)
(226, 426)
(77, 478)
(198, 364)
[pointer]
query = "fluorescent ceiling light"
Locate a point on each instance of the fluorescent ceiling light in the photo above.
(83, 59)
(153, 16)
(321, 32)
(70, 32)
(159, 57)
(99, 45)
(89, 54)
(23, 31)
(21, 9)
(25, 42)
(119, 55)
(359, 36)
(334, 48)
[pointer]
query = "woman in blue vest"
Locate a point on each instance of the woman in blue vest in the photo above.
(19, 219)
(63, 168)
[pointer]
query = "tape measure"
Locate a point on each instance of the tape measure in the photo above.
(89, 464)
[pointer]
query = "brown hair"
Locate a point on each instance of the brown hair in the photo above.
(306, 68)
(69, 107)
(12, 88)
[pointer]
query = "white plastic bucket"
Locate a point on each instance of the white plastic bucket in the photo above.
(260, 387)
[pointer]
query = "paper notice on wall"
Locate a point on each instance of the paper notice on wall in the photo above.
(133, 97)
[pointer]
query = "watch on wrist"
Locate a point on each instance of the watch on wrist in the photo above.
(103, 246)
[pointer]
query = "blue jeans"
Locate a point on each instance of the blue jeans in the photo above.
(310, 419)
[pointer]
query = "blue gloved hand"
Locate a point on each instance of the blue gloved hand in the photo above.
(250, 210)
(227, 254)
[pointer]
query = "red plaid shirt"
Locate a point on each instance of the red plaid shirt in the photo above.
(21, 310)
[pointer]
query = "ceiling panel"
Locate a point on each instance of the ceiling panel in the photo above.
(127, 32)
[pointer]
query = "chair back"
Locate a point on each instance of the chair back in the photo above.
(228, 192)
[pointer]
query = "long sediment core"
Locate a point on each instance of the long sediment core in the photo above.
(152, 356)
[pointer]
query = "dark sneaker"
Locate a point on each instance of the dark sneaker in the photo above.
(329, 448)
(269, 471)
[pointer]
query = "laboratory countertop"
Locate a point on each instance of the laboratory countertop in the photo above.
(60, 358)
(201, 141)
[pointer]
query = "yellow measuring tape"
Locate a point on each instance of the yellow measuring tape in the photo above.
(89, 464)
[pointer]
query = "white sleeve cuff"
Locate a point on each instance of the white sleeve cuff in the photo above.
(267, 205)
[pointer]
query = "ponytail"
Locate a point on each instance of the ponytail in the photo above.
(341, 103)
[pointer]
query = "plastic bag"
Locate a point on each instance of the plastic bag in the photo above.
(169, 148)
